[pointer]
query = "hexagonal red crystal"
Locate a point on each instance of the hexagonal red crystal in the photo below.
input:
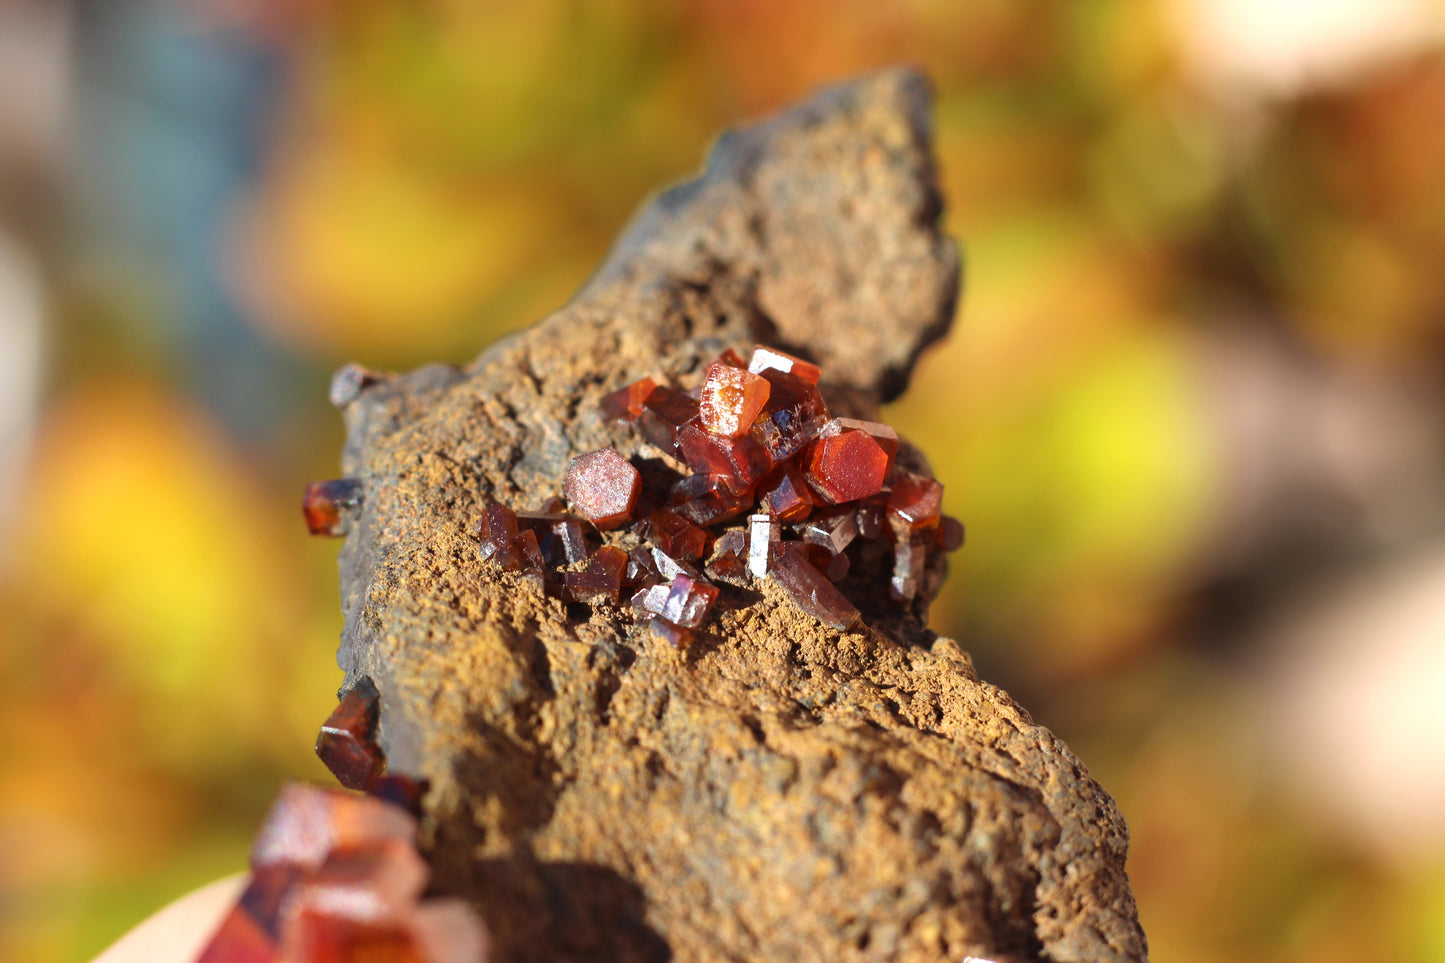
(627, 403)
(847, 467)
(741, 461)
(603, 486)
(915, 504)
(784, 493)
(731, 399)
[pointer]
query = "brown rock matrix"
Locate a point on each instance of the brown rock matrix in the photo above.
(778, 789)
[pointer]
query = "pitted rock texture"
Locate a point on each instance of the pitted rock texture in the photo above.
(779, 790)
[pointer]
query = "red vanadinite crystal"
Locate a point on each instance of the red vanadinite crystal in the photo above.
(847, 467)
(497, 533)
(915, 504)
(731, 400)
(601, 579)
(306, 823)
(740, 461)
(372, 884)
(531, 551)
(330, 507)
(886, 437)
(688, 601)
(793, 416)
(603, 486)
(833, 529)
(336, 878)
(950, 534)
(675, 535)
(403, 791)
(347, 743)
(707, 499)
(626, 403)
(729, 560)
(872, 517)
(318, 938)
(784, 494)
(811, 589)
(665, 411)
(770, 359)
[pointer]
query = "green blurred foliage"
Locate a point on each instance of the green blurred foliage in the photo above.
(446, 171)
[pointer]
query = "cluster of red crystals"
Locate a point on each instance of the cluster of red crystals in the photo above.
(760, 443)
(336, 878)
(331, 506)
(347, 741)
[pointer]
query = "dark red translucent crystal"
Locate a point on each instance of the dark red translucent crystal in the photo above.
(950, 534)
(793, 416)
(847, 467)
(675, 535)
(884, 435)
(403, 791)
(601, 579)
(740, 461)
(347, 743)
(321, 938)
(330, 507)
(626, 403)
(915, 504)
(784, 494)
(497, 533)
(665, 630)
(729, 559)
(665, 411)
(771, 359)
(810, 588)
(834, 529)
(732, 399)
(603, 486)
(306, 823)
(707, 499)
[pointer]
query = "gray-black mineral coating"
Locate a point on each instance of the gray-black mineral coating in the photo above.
(780, 790)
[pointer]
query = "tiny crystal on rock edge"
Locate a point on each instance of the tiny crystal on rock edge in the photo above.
(347, 744)
(330, 507)
(349, 382)
(731, 399)
(603, 486)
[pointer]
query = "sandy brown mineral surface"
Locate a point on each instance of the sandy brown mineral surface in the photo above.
(779, 790)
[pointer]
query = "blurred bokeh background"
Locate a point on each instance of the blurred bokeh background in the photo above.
(1193, 410)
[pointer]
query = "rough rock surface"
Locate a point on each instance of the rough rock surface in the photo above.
(779, 790)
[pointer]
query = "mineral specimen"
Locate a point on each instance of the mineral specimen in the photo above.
(603, 486)
(336, 878)
(330, 507)
(347, 742)
(731, 399)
